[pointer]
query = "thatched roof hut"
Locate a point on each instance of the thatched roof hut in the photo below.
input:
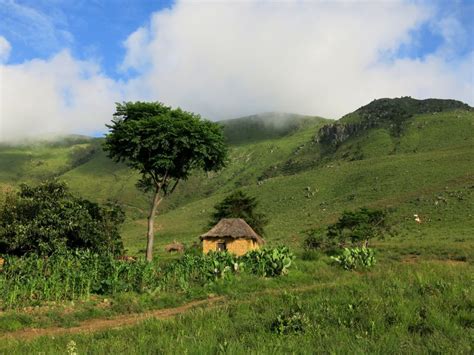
(233, 235)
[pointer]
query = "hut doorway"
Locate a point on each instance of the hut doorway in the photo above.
(221, 246)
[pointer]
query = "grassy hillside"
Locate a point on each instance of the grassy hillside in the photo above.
(270, 125)
(426, 168)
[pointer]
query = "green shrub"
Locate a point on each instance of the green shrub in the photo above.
(268, 262)
(358, 227)
(353, 228)
(201, 269)
(354, 258)
(46, 218)
(295, 322)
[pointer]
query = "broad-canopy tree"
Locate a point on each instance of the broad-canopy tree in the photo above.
(354, 227)
(360, 226)
(164, 145)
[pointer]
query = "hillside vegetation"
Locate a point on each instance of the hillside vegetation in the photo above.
(301, 179)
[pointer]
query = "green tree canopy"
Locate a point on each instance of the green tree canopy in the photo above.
(46, 218)
(240, 205)
(164, 145)
(360, 226)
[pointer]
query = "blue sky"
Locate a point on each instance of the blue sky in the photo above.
(97, 28)
(89, 28)
(222, 59)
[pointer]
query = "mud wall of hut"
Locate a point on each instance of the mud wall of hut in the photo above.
(235, 246)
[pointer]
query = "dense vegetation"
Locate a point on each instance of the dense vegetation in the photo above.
(46, 218)
(76, 275)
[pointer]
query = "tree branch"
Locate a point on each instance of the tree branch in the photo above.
(174, 186)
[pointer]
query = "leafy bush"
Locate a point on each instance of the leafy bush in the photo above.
(353, 227)
(268, 262)
(47, 218)
(359, 226)
(240, 205)
(353, 258)
(215, 265)
(285, 323)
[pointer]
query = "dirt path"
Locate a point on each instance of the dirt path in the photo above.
(94, 325)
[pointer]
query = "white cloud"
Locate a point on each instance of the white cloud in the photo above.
(230, 59)
(226, 59)
(60, 95)
(5, 49)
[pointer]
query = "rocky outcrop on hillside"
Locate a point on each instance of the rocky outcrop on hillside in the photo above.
(383, 113)
(336, 133)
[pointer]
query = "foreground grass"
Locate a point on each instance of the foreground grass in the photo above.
(399, 307)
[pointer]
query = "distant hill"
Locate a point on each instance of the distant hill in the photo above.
(384, 127)
(391, 114)
(412, 156)
(270, 125)
(397, 108)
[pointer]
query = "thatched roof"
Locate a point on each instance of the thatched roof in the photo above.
(233, 228)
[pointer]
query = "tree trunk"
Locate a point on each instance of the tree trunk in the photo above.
(151, 219)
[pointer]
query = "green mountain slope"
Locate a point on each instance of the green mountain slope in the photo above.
(424, 166)
(270, 125)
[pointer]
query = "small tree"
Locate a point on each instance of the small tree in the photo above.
(240, 205)
(359, 226)
(47, 218)
(164, 145)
